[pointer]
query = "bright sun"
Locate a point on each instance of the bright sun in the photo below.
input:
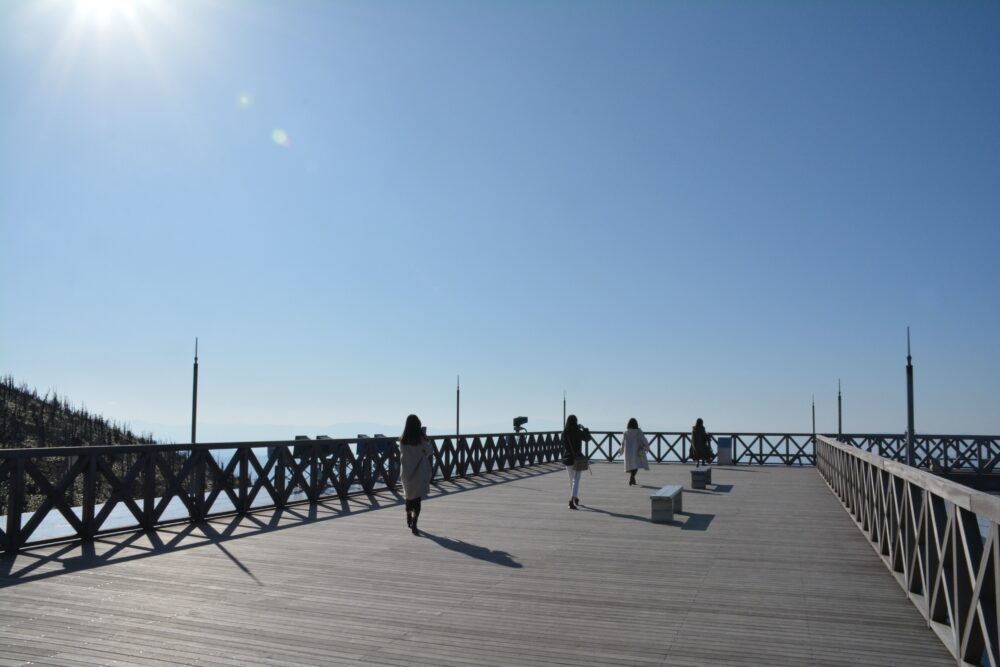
(101, 35)
(104, 10)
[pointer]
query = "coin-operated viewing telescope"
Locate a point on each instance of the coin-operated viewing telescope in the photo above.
(519, 423)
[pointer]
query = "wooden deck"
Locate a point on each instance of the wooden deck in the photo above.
(763, 568)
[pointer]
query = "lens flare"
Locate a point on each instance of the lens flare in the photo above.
(281, 138)
(244, 100)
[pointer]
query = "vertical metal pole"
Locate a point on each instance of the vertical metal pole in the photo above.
(814, 418)
(564, 408)
(840, 416)
(194, 395)
(909, 401)
(458, 403)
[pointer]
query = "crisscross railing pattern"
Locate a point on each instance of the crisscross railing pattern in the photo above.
(927, 531)
(974, 453)
(748, 448)
(103, 489)
(146, 485)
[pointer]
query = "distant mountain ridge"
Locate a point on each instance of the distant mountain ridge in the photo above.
(30, 420)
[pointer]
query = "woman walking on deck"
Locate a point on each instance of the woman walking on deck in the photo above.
(701, 450)
(635, 446)
(415, 452)
(575, 461)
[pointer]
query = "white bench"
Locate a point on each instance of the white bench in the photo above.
(665, 502)
(700, 477)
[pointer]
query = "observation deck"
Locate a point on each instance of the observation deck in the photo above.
(763, 567)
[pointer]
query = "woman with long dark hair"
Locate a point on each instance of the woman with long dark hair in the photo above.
(701, 450)
(634, 446)
(415, 452)
(575, 460)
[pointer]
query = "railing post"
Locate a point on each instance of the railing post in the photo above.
(955, 612)
(314, 474)
(459, 459)
(393, 456)
(148, 490)
(447, 458)
(244, 454)
(15, 505)
(279, 475)
(89, 496)
(918, 515)
(198, 483)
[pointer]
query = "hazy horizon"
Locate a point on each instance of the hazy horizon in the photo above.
(209, 432)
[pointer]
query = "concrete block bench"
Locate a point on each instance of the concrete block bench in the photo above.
(665, 502)
(700, 477)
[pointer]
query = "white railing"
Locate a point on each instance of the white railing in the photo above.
(938, 538)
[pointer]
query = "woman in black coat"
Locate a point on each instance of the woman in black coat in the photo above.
(575, 460)
(700, 449)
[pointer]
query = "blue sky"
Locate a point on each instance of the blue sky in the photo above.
(667, 209)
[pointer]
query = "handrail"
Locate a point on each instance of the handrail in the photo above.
(966, 453)
(160, 484)
(978, 454)
(747, 448)
(84, 484)
(927, 531)
(102, 489)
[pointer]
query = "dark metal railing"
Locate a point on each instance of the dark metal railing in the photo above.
(747, 448)
(938, 538)
(98, 490)
(946, 453)
(950, 453)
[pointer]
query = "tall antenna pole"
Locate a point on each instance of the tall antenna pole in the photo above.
(814, 417)
(458, 403)
(909, 401)
(194, 396)
(564, 408)
(840, 415)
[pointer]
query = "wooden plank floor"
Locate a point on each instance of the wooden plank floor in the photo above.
(765, 568)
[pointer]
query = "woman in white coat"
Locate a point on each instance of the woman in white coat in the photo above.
(635, 446)
(415, 452)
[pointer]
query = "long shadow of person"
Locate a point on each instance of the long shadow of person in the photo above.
(473, 550)
(588, 508)
(693, 521)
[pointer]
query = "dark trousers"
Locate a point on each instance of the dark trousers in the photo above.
(413, 507)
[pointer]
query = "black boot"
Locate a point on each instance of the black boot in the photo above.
(409, 519)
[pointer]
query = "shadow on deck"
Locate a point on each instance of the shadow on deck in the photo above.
(53, 560)
(763, 568)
